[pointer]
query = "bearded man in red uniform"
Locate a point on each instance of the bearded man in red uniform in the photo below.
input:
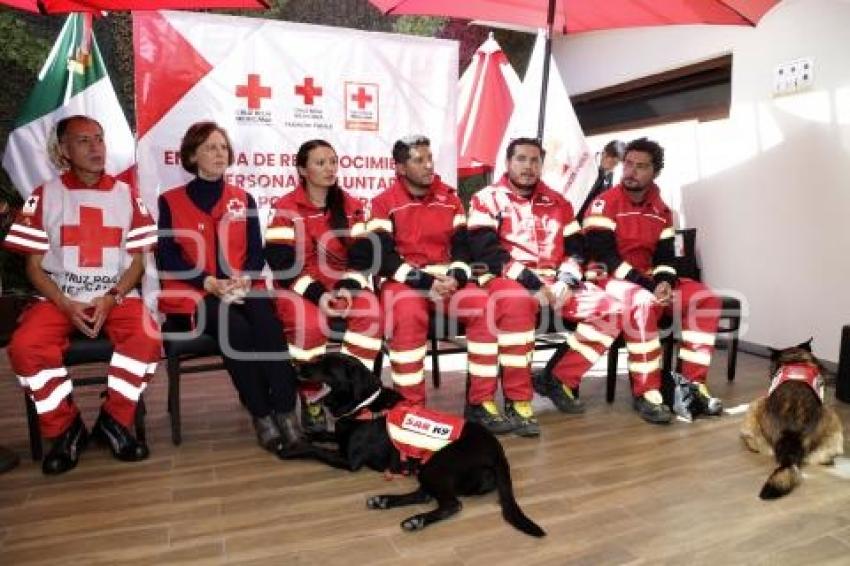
(85, 234)
(525, 238)
(419, 231)
(630, 230)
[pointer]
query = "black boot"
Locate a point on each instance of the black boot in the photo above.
(66, 449)
(268, 435)
(123, 445)
(290, 429)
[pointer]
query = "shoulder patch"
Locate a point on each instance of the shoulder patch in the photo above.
(30, 205)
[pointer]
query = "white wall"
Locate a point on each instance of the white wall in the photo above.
(768, 187)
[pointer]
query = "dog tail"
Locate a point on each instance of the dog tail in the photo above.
(789, 455)
(510, 509)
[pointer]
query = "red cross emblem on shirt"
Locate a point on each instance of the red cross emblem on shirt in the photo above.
(361, 98)
(308, 91)
(253, 91)
(235, 207)
(91, 236)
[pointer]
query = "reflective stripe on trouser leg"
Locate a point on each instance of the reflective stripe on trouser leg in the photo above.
(365, 330)
(700, 317)
(135, 350)
(640, 331)
(470, 306)
(35, 353)
(515, 312)
(601, 322)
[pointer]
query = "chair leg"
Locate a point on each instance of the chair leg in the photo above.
(611, 386)
(140, 420)
(34, 428)
(669, 347)
(435, 362)
(172, 366)
(733, 357)
(378, 367)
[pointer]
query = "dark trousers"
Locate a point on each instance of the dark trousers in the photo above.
(254, 351)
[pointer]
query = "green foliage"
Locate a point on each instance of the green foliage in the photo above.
(425, 26)
(20, 46)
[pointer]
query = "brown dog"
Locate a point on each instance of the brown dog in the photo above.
(791, 422)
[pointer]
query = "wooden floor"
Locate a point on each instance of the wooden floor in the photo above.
(608, 489)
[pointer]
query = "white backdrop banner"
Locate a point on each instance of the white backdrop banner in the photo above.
(273, 85)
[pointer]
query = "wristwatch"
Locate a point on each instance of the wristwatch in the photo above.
(116, 295)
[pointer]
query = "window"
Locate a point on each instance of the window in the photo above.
(700, 91)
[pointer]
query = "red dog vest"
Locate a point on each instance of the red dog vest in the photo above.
(418, 432)
(799, 372)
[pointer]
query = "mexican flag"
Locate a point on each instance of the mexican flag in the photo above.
(72, 81)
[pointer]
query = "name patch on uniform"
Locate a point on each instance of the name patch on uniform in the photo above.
(427, 427)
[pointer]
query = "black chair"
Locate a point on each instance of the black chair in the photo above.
(181, 345)
(82, 350)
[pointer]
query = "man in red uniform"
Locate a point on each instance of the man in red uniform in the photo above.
(85, 234)
(419, 228)
(524, 235)
(630, 230)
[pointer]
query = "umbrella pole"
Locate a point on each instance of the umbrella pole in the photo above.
(550, 21)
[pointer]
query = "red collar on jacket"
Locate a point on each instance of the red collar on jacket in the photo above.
(302, 198)
(71, 181)
(652, 198)
(437, 191)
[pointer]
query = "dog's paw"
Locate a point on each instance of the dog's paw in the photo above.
(377, 502)
(415, 523)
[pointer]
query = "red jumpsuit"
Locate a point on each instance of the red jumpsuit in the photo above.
(525, 243)
(86, 236)
(421, 237)
(635, 243)
(309, 259)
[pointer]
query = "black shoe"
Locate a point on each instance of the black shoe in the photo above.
(708, 405)
(268, 434)
(521, 416)
(65, 451)
(123, 445)
(290, 430)
(487, 415)
(564, 398)
(652, 409)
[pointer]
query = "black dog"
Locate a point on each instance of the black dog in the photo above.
(473, 464)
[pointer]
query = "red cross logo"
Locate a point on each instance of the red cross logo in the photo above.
(253, 91)
(308, 91)
(361, 98)
(91, 236)
(235, 207)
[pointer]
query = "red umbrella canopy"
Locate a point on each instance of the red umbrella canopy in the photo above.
(573, 16)
(66, 6)
(485, 104)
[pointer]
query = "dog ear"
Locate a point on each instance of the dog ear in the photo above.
(807, 345)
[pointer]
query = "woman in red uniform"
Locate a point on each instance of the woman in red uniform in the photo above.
(210, 256)
(314, 241)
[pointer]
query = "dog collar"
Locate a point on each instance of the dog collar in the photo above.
(365, 403)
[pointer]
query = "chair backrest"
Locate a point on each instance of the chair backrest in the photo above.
(685, 261)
